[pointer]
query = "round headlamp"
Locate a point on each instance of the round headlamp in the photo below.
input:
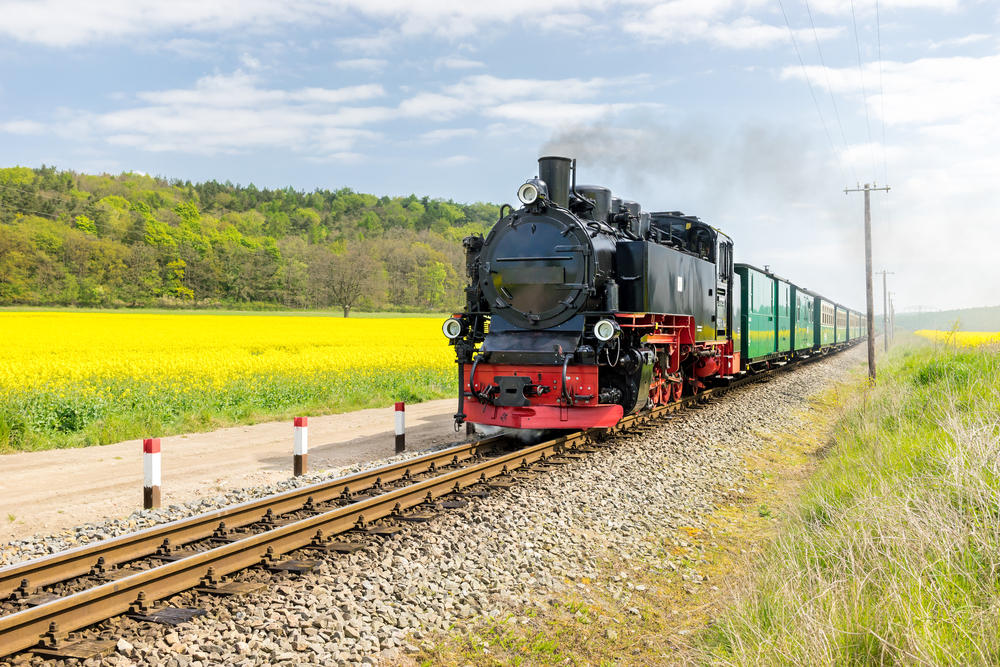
(605, 330)
(528, 193)
(452, 328)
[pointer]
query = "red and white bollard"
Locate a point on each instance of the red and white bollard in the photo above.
(151, 473)
(400, 427)
(301, 464)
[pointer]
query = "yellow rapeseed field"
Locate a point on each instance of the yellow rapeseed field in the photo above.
(103, 376)
(962, 338)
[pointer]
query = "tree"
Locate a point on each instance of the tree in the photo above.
(86, 225)
(129, 239)
(352, 277)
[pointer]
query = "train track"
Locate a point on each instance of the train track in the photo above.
(45, 599)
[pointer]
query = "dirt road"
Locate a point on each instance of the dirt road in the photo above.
(48, 491)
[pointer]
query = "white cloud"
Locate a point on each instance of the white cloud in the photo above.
(928, 91)
(234, 113)
(342, 157)
(435, 136)
(197, 49)
(453, 161)
(364, 64)
(512, 98)
(228, 114)
(723, 23)
(975, 38)
(844, 7)
(454, 62)
(65, 23)
(241, 90)
(378, 43)
(550, 114)
(249, 61)
(22, 127)
(571, 22)
(62, 23)
(434, 105)
(943, 141)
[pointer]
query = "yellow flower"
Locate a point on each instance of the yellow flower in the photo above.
(962, 338)
(177, 352)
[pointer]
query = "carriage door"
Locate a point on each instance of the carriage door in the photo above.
(723, 283)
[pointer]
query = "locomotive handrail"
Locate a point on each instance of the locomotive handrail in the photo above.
(565, 392)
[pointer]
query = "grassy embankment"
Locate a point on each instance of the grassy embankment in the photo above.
(77, 378)
(894, 554)
(871, 535)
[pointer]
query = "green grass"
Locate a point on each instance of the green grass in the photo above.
(894, 553)
(44, 419)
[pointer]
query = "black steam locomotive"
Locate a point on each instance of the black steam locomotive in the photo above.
(582, 308)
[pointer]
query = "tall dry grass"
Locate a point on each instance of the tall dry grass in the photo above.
(894, 554)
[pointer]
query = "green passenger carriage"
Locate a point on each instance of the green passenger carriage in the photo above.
(783, 323)
(803, 337)
(758, 340)
(840, 335)
(824, 323)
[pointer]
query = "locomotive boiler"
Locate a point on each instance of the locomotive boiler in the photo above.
(581, 308)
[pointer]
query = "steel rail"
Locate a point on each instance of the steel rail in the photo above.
(25, 628)
(77, 562)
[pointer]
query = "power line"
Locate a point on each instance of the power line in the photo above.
(864, 92)
(829, 87)
(881, 89)
(812, 92)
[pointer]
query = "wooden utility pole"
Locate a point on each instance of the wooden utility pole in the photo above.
(868, 271)
(885, 309)
(892, 315)
(892, 319)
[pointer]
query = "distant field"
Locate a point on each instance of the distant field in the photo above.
(962, 338)
(84, 378)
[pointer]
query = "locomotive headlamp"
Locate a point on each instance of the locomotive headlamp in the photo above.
(527, 193)
(605, 330)
(452, 328)
(532, 191)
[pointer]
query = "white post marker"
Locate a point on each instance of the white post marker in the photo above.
(151, 473)
(301, 464)
(400, 427)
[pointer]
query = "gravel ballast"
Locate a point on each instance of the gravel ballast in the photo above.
(497, 554)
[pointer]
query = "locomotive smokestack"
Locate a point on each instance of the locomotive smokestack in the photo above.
(554, 171)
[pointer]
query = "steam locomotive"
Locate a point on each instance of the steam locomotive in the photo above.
(582, 308)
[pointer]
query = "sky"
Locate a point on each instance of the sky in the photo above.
(754, 115)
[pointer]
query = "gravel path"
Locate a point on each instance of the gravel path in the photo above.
(507, 550)
(98, 482)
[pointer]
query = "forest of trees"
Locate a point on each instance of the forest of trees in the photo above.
(133, 240)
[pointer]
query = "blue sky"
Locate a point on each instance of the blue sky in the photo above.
(698, 106)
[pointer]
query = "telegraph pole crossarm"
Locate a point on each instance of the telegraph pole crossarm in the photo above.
(867, 189)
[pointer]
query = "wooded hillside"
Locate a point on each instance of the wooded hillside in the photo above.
(134, 240)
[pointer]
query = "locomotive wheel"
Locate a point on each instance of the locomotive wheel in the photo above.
(676, 390)
(659, 392)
